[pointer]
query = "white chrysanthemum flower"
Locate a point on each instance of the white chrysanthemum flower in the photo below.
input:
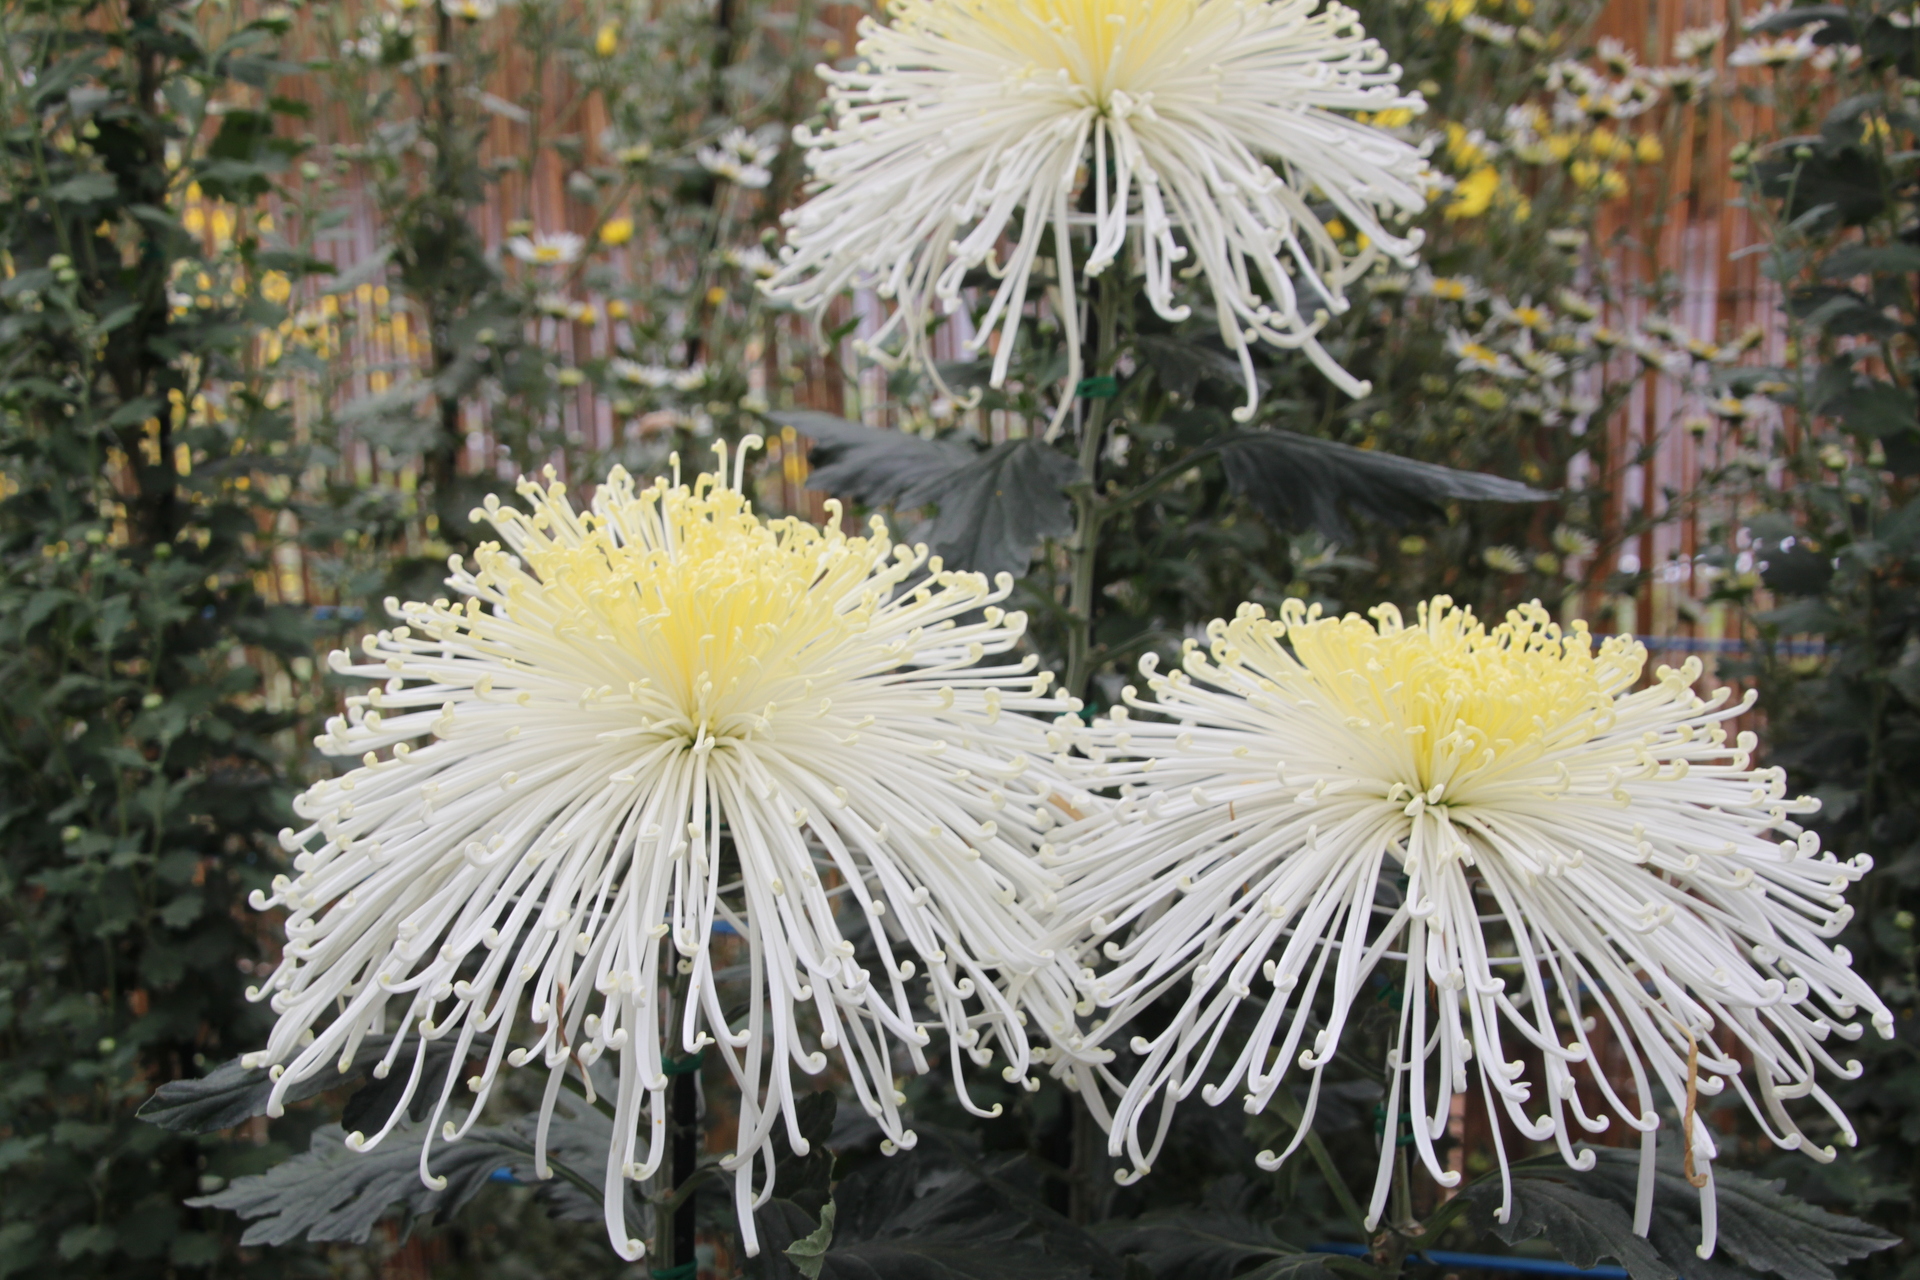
(548, 249)
(1209, 131)
(645, 722)
(1502, 825)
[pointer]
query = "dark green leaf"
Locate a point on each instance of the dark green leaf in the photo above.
(1837, 20)
(1802, 617)
(805, 1184)
(243, 155)
(1217, 1240)
(373, 1104)
(85, 188)
(1842, 185)
(1902, 450)
(231, 1094)
(994, 507)
(1587, 1215)
(995, 511)
(1579, 1221)
(1865, 260)
(879, 468)
(332, 1193)
(1764, 1227)
(297, 264)
(1300, 482)
(1182, 366)
(809, 1251)
(1840, 312)
(1872, 409)
(76, 1242)
(1797, 572)
(921, 1216)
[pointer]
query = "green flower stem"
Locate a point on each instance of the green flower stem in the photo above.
(1287, 1107)
(1089, 509)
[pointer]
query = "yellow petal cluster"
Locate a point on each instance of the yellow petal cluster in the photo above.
(1466, 700)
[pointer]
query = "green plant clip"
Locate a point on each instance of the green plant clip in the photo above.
(1105, 387)
(681, 1067)
(685, 1271)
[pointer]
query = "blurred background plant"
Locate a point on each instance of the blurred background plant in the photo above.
(1820, 549)
(288, 289)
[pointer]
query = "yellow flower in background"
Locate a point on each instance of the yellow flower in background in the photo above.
(616, 231)
(607, 40)
(1464, 148)
(1391, 118)
(1449, 10)
(275, 287)
(1474, 193)
(1589, 176)
(1648, 150)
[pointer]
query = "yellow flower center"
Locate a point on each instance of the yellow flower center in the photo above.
(1100, 45)
(713, 618)
(1468, 703)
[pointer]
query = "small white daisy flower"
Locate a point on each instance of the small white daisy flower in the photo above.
(1504, 559)
(1213, 133)
(548, 249)
(1698, 43)
(659, 377)
(642, 723)
(740, 159)
(752, 259)
(1475, 356)
(1498, 34)
(1775, 51)
(1504, 832)
(1574, 542)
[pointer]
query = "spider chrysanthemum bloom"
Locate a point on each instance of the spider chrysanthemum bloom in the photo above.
(1214, 129)
(646, 722)
(1545, 857)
